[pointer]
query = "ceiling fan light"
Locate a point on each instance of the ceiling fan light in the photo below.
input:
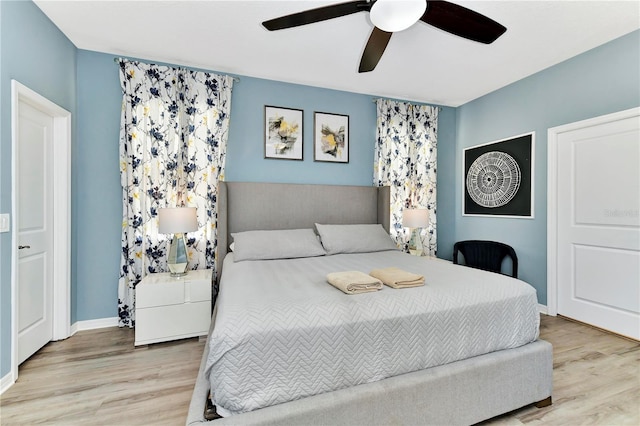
(396, 15)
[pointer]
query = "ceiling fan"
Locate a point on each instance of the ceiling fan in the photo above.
(389, 16)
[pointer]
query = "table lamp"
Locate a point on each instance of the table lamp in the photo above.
(415, 219)
(177, 221)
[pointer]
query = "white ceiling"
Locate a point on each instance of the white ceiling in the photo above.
(421, 63)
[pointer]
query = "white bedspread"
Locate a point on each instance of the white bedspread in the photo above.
(282, 332)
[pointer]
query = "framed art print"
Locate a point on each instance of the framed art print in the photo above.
(498, 178)
(331, 137)
(282, 133)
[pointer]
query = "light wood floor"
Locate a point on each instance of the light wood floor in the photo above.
(97, 378)
(596, 378)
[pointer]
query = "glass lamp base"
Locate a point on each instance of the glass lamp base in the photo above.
(177, 260)
(415, 252)
(415, 244)
(179, 270)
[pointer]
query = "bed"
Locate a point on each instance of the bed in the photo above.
(463, 365)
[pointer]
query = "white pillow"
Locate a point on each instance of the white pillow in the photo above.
(276, 244)
(354, 238)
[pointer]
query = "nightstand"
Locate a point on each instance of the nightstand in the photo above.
(169, 308)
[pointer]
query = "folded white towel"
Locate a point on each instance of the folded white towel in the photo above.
(397, 278)
(354, 282)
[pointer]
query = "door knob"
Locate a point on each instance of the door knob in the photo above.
(23, 247)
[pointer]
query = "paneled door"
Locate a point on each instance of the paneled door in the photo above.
(40, 224)
(35, 230)
(598, 223)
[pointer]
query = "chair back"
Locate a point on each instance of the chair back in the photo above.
(486, 255)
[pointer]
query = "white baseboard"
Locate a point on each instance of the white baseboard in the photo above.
(543, 309)
(93, 324)
(6, 382)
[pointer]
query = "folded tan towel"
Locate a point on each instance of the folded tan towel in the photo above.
(354, 282)
(397, 278)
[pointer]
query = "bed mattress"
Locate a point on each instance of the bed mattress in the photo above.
(282, 332)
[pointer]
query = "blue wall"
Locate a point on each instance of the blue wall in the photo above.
(97, 196)
(38, 55)
(600, 81)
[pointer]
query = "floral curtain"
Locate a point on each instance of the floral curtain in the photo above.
(173, 138)
(405, 160)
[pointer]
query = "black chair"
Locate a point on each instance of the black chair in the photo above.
(486, 255)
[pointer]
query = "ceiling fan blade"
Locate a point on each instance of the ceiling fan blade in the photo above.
(462, 22)
(374, 49)
(316, 15)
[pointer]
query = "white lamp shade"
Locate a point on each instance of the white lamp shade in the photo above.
(415, 218)
(177, 220)
(396, 15)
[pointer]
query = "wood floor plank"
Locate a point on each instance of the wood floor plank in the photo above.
(97, 377)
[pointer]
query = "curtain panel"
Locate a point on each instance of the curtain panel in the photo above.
(405, 160)
(173, 139)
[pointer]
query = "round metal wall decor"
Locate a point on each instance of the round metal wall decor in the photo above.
(493, 179)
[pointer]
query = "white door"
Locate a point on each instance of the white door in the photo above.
(35, 230)
(598, 224)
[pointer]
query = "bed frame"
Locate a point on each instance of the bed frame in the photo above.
(464, 392)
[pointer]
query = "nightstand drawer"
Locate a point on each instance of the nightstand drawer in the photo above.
(162, 289)
(160, 293)
(172, 322)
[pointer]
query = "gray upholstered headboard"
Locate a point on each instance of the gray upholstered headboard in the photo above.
(246, 206)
